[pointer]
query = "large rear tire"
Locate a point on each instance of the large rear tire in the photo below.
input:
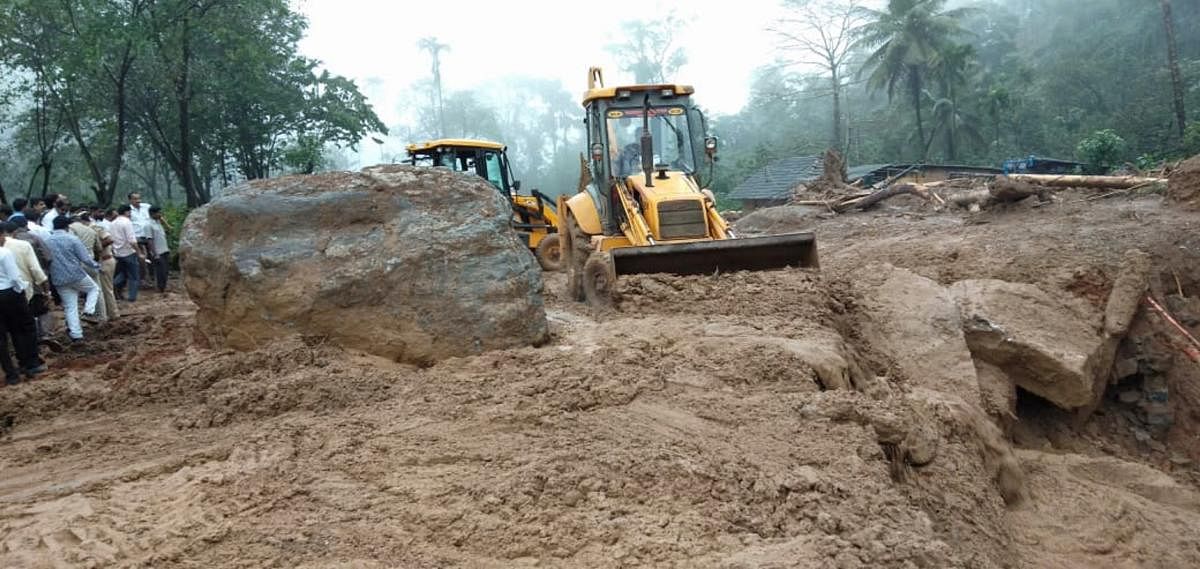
(549, 253)
(600, 280)
(576, 246)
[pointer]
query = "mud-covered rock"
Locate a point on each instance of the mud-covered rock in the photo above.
(1045, 345)
(782, 219)
(408, 263)
(915, 320)
(1184, 184)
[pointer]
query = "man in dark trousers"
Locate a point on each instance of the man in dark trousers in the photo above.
(16, 322)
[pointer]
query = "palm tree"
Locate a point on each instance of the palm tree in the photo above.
(950, 70)
(905, 39)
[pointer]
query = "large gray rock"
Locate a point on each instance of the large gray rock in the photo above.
(1049, 346)
(413, 264)
(915, 321)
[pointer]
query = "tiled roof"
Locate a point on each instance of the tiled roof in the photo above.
(776, 180)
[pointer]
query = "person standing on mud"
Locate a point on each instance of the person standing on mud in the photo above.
(68, 274)
(129, 257)
(91, 242)
(16, 322)
(45, 320)
(139, 215)
(162, 251)
(108, 268)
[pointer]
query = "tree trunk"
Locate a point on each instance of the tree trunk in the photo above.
(836, 141)
(1173, 63)
(914, 85)
(1102, 182)
(183, 99)
(46, 176)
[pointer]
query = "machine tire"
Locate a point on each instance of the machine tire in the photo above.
(576, 247)
(600, 280)
(549, 253)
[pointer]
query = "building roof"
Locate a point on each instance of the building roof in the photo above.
(455, 143)
(776, 180)
(854, 173)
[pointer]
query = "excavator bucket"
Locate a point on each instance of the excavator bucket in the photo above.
(722, 255)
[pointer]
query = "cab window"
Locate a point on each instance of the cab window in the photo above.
(493, 166)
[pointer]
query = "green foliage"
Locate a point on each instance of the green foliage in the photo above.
(1103, 149)
(209, 88)
(175, 216)
(1191, 140)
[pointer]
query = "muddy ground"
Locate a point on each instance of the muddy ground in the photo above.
(741, 420)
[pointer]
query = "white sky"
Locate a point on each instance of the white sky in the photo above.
(374, 42)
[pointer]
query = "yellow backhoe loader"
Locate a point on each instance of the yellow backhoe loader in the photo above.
(534, 216)
(642, 206)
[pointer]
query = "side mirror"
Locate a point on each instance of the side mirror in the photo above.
(710, 146)
(516, 185)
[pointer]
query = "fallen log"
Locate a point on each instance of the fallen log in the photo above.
(1072, 181)
(1000, 190)
(889, 192)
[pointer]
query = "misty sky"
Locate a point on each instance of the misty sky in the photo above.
(374, 43)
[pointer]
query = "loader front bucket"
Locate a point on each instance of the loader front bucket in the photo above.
(724, 255)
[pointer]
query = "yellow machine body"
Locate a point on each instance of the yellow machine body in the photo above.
(655, 215)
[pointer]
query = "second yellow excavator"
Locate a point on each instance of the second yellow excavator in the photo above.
(534, 216)
(642, 206)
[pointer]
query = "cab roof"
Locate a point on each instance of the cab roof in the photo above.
(453, 143)
(612, 92)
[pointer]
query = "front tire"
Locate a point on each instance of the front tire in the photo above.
(576, 248)
(549, 253)
(600, 280)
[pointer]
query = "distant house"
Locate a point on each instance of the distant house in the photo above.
(774, 183)
(1042, 165)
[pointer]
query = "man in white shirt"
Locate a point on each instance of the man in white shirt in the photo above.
(56, 205)
(16, 321)
(139, 214)
(125, 250)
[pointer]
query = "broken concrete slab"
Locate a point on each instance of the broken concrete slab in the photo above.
(1127, 292)
(1045, 344)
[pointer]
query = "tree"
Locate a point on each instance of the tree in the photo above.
(906, 37)
(82, 54)
(950, 70)
(1102, 149)
(819, 34)
(435, 48)
(649, 51)
(1173, 66)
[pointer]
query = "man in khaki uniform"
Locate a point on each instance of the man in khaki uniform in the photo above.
(101, 248)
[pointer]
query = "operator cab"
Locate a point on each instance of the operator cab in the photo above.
(486, 159)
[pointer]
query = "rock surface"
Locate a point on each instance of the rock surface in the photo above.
(1184, 185)
(1045, 345)
(916, 321)
(783, 219)
(412, 264)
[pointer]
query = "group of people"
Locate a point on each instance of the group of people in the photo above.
(51, 251)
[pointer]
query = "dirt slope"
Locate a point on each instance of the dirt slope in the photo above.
(736, 421)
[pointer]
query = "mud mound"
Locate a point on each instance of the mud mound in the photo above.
(1184, 185)
(782, 219)
(208, 389)
(777, 419)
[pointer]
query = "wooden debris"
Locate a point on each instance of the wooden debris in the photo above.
(1102, 182)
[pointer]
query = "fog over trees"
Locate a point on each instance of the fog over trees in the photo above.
(179, 98)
